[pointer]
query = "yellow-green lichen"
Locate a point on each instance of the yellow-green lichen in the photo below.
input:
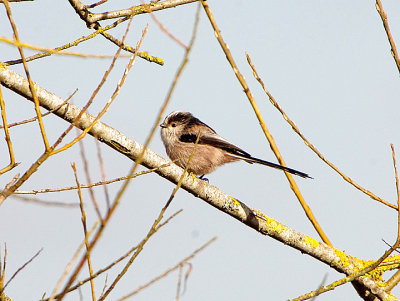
(311, 241)
(274, 226)
(235, 201)
(343, 258)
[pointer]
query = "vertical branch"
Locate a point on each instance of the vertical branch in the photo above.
(89, 180)
(383, 15)
(365, 294)
(83, 213)
(69, 265)
(31, 87)
(117, 199)
(7, 136)
(178, 286)
(271, 141)
(154, 227)
(103, 173)
(2, 274)
(309, 144)
(395, 279)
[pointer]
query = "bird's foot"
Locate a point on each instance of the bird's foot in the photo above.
(204, 179)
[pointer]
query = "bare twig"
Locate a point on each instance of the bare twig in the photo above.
(383, 15)
(213, 196)
(50, 51)
(109, 102)
(116, 202)
(3, 296)
(43, 115)
(85, 232)
(69, 266)
(162, 27)
(50, 151)
(101, 271)
(21, 268)
(37, 201)
(101, 183)
(86, 16)
(311, 146)
(103, 173)
(178, 286)
(370, 267)
(7, 137)
(163, 275)
(89, 180)
(96, 4)
(395, 279)
(2, 1)
(16, 38)
(137, 10)
(271, 141)
(154, 227)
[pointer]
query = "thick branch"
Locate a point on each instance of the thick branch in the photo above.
(137, 10)
(211, 194)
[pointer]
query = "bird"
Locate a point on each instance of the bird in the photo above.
(179, 132)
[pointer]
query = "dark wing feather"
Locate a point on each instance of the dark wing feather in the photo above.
(218, 142)
(215, 141)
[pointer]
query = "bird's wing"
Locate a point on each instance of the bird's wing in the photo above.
(234, 151)
(215, 140)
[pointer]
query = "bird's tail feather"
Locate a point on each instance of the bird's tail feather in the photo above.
(274, 165)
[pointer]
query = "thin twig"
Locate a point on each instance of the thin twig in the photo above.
(395, 279)
(21, 268)
(162, 27)
(7, 137)
(83, 218)
(116, 202)
(137, 10)
(69, 266)
(49, 51)
(163, 275)
(37, 201)
(178, 286)
(89, 180)
(267, 134)
(101, 271)
(370, 267)
(3, 274)
(154, 227)
(69, 45)
(393, 51)
(21, 52)
(96, 4)
(43, 115)
(103, 173)
(101, 183)
(311, 146)
(34, 167)
(109, 102)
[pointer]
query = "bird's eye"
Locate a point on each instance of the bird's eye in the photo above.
(173, 124)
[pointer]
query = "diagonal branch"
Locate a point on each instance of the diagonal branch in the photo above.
(267, 134)
(210, 194)
(137, 10)
(393, 49)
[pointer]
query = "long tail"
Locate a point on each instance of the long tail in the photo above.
(277, 166)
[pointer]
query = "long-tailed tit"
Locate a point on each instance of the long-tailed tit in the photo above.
(179, 133)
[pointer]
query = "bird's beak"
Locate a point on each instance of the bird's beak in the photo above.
(163, 125)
